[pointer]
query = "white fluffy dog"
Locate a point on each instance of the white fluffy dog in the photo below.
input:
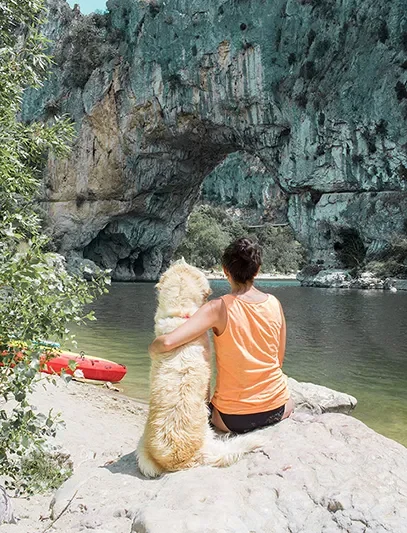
(177, 434)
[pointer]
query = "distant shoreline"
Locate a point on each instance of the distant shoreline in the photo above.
(261, 276)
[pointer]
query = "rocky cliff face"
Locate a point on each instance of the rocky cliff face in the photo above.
(162, 92)
(243, 186)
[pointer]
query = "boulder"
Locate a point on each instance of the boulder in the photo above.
(400, 284)
(325, 279)
(78, 266)
(318, 399)
(340, 279)
(326, 473)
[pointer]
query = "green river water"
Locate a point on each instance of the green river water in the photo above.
(352, 341)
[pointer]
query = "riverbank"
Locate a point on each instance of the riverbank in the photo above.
(329, 279)
(321, 471)
(260, 276)
(313, 276)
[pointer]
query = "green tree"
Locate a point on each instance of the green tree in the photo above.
(211, 229)
(205, 240)
(281, 252)
(38, 298)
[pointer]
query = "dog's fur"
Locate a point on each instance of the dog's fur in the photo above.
(177, 434)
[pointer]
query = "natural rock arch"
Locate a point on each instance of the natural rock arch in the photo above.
(316, 90)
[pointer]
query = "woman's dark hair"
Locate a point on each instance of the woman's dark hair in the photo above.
(242, 259)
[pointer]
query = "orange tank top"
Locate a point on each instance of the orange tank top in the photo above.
(249, 357)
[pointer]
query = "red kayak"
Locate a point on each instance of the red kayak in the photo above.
(91, 367)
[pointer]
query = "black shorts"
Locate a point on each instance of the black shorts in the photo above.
(246, 423)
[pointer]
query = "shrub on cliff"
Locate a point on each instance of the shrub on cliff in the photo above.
(86, 47)
(211, 229)
(37, 296)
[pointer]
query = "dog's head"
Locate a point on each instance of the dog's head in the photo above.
(182, 290)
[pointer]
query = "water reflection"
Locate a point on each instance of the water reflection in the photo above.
(353, 341)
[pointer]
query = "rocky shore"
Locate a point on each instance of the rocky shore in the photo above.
(261, 276)
(342, 279)
(322, 471)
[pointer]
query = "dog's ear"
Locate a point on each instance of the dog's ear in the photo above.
(208, 292)
(158, 285)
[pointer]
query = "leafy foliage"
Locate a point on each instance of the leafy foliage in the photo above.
(44, 470)
(281, 252)
(205, 241)
(37, 296)
(211, 229)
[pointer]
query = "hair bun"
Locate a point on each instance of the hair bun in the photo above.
(246, 248)
(242, 259)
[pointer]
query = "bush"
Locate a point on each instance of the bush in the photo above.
(43, 471)
(85, 48)
(211, 229)
(387, 269)
(37, 296)
(205, 240)
(397, 262)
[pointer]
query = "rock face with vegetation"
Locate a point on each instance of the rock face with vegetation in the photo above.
(162, 92)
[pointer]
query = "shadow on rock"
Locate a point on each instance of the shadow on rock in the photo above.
(127, 464)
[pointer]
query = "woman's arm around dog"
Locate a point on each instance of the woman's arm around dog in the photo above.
(211, 315)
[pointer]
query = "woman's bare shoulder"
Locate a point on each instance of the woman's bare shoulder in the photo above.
(216, 304)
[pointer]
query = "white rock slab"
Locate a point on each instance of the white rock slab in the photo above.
(318, 399)
(327, 474)
(320, 473)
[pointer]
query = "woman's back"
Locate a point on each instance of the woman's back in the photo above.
(249, 355)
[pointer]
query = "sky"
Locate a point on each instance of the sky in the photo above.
(88, 6)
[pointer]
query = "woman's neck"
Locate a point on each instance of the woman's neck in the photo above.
(240, 288)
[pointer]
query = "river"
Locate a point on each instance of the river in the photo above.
(353, 341)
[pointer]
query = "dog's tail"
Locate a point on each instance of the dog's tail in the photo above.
(148, 467)
(227, 451)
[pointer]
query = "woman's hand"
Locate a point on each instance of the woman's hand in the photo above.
(158, 346)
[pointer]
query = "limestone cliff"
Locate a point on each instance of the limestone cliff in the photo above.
(242, 185)
(163, 91)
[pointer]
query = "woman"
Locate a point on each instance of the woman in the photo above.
(249, 335)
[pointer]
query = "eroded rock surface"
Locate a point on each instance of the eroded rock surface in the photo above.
(316, 399)
(162, 92)
(325, 474)
(320, 473)
(243, 186)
